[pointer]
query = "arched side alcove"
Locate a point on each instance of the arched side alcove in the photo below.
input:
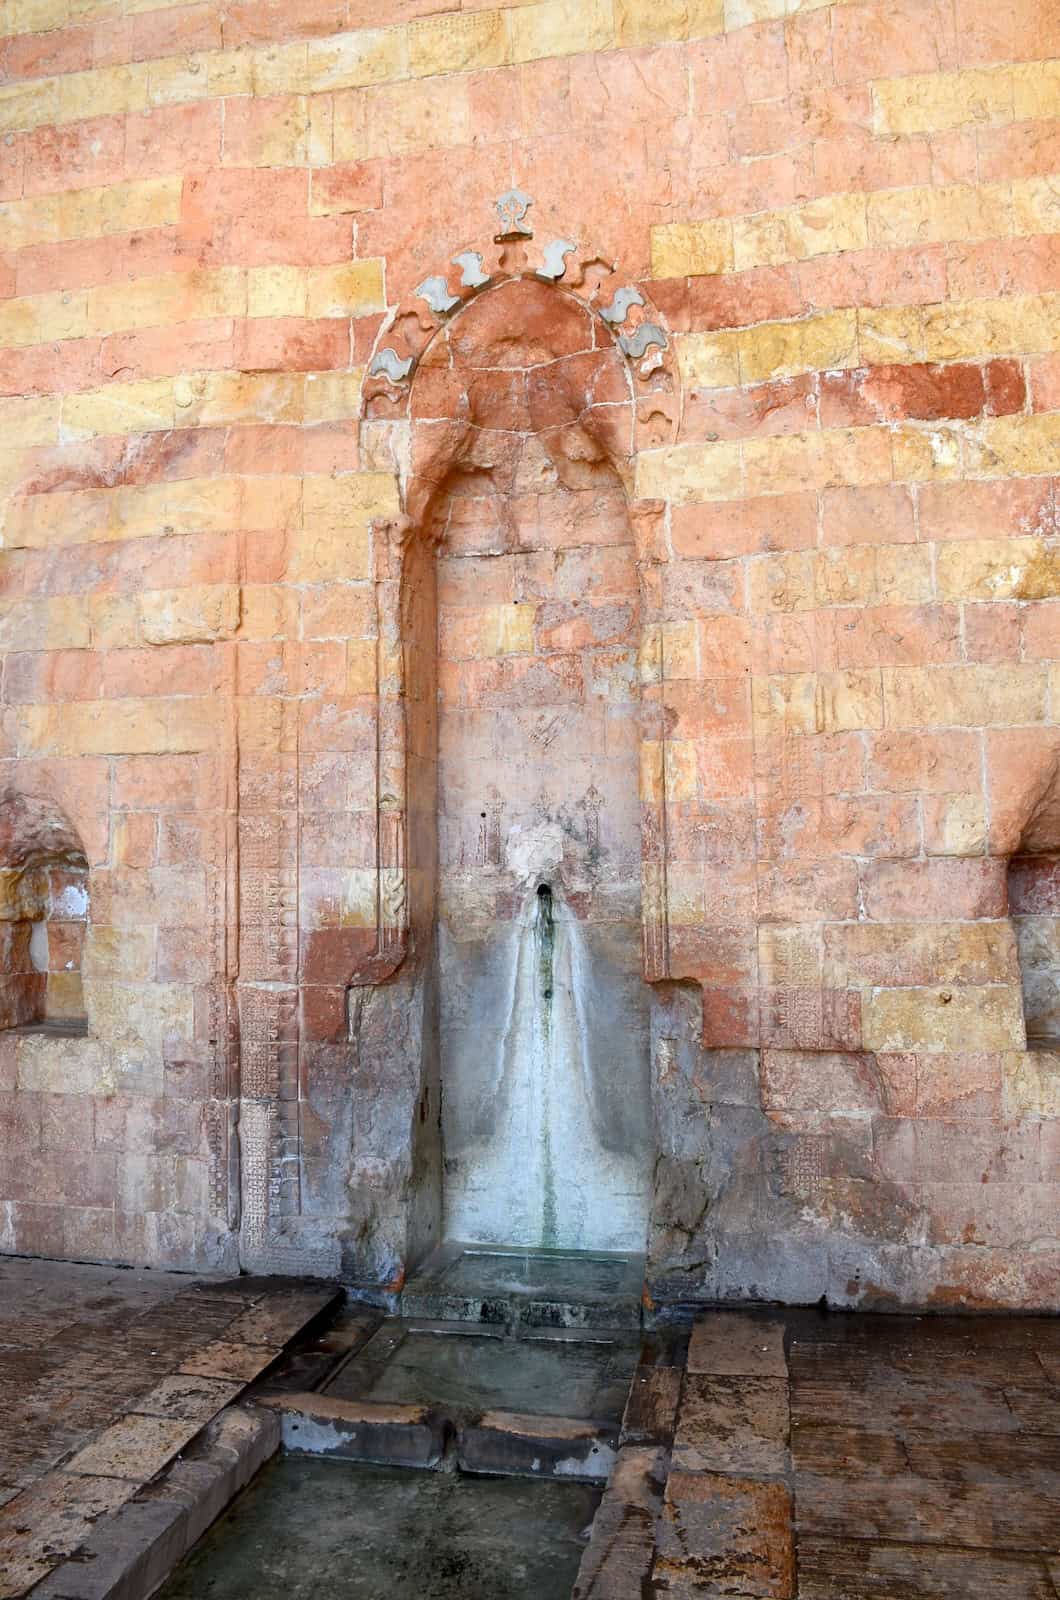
(519, 690)
(43, 915)
(521, 424)
(1034, 904)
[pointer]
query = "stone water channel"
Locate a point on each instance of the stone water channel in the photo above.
(460, 1449)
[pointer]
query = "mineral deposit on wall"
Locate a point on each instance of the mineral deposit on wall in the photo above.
(530, 625)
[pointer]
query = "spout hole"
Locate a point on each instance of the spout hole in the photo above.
(544, 890)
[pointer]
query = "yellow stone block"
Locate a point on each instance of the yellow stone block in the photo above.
(65, 517)
(115, 952)
(350, 289)
(323, 552)
(785, 703)
(904, 575)
(827, 226)
(1024, 324)
(943, 1019)
(840, 458)
(140, 407)
(679, 769)
(845, 575)
(766, 239)
(172, 297)
(177, 79)
(269, 611)
(1030, 1083)
(847, 701)
(145, 203)
(692, 249)
(642, 22)
(889, 334)
(742, 13)
(114, 621)
(969, 696)
(185, 505)
(250, 397)
(1016, 446)
(279, 69)
(197, 614)
(928, 454)
(463, 43)
(28, 222)
(30, 420)
(560, 28)
(333, 396)
(320, 140)
(352, 60)
(37, 16)
(785, 349)
(33, 104)
(44, 318)
(281, 136)
(361, 666)
(507, 630)
(709, 360)
(228, 71)
(998, 569)
(1036, 205)
(67, 623)
(782, 582)
(1036, 91)
(680, 651)
(271, 503)
(943, 215)
(102, 92)
(651, 771)
(683, 473)
(956, 825)
(276, 292)
(134, 727)
(351, 498)
(937, 101)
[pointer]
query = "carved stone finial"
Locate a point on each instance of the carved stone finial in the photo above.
(556, 252)
(389, 364)
(641, 339)
(471, 273)
(435, 291)
(512, 207)
(618, 310)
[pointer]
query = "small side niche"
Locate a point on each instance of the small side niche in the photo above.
(44, 908)
(1034, 905)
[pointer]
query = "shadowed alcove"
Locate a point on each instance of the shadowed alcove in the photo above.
(521, 625)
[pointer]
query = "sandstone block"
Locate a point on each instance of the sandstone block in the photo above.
(943, 1019)
(185, 616)
(691, 249)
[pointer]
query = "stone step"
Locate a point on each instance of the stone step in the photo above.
(510, 1287)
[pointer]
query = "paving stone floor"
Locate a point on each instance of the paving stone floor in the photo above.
(106, 1375)
(833, 1457)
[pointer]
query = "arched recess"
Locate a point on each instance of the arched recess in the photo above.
(451, 388)
(43, 915)
(1031, 829)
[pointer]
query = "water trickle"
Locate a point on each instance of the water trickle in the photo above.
(545, 1152)
(545, 949)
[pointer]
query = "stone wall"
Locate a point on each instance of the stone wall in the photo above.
(842, 225)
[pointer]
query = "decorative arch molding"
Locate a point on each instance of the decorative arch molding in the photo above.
(405, 347)
(639, 329)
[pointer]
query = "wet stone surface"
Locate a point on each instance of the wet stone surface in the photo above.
(474, 1372)
(311, 1530)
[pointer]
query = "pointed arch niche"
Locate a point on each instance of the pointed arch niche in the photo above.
(520, 825)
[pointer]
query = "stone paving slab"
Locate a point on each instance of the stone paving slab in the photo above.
(98, 1401)
(859, 1458)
